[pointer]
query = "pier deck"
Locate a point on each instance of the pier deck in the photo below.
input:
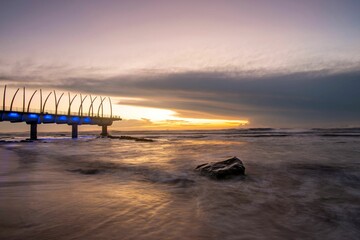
(33, 117)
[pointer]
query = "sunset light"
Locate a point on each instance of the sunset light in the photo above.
(179, 119)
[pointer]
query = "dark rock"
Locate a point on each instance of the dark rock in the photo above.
(222, 170)
(86, 171)
(136, 139)
(143, 140)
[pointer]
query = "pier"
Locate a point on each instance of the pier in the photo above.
(34, 117)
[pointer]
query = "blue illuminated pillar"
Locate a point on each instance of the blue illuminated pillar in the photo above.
(33, 131)
(74, 131)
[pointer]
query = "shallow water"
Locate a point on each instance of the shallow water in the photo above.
(300, 184)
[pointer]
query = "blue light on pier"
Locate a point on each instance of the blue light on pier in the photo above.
(63, 118)
(48, 117)
(33, 116)
(13, 115)
(87, 120)
(75, 119)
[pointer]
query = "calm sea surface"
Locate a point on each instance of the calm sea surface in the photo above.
(300, 184)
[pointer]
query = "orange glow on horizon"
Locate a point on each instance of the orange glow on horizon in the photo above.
(146, 118)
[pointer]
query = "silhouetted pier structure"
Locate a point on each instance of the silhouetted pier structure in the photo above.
(33, 117)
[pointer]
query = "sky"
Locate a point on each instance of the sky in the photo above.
(204, 64)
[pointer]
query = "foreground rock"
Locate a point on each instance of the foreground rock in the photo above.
(136, 139)
(222, 170)
(90, 171)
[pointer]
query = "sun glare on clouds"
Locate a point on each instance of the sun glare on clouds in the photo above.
(157, 118)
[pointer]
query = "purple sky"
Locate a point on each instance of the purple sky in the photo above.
(274, 63)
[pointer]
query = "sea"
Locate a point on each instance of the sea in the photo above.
(299, 184)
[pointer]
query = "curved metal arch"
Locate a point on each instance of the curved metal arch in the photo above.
(70, 102)
(110, 107)
(81, 104)
(30, 100)
(46, 101)
(57, 101)
(91, 108)
(102, 107)
(41, 110)
(24, 99)
(4, 98)
(12, 101)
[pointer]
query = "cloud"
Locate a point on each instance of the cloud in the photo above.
(135, 124)
(305, 98)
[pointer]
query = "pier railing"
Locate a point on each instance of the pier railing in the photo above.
(46, 115)
(53, 112)
(90, 112)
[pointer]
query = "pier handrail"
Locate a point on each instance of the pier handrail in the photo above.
(81, 104)
(110, 107)
(102, 107)
(26, 105)
(91, 106)
(12, 101)
(4, 98)
(43, 109)
(30, 100)
(57, 102)
(23, 99)
(59, 113)
(70, 102)
(41, 100)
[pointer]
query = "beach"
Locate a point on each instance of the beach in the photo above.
(299, 184)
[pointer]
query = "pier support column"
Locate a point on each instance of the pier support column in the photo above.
(104, 132)
(74, 133)
(33, 131)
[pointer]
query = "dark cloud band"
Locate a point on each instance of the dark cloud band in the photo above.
(287, 99)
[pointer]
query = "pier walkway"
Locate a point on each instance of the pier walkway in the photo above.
(34, 117)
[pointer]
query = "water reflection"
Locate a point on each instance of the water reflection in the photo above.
(295, 188)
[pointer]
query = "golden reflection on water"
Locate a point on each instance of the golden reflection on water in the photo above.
(151, 191)
(157, 153)
(213, 142)
(137, 195)
(150, 211)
